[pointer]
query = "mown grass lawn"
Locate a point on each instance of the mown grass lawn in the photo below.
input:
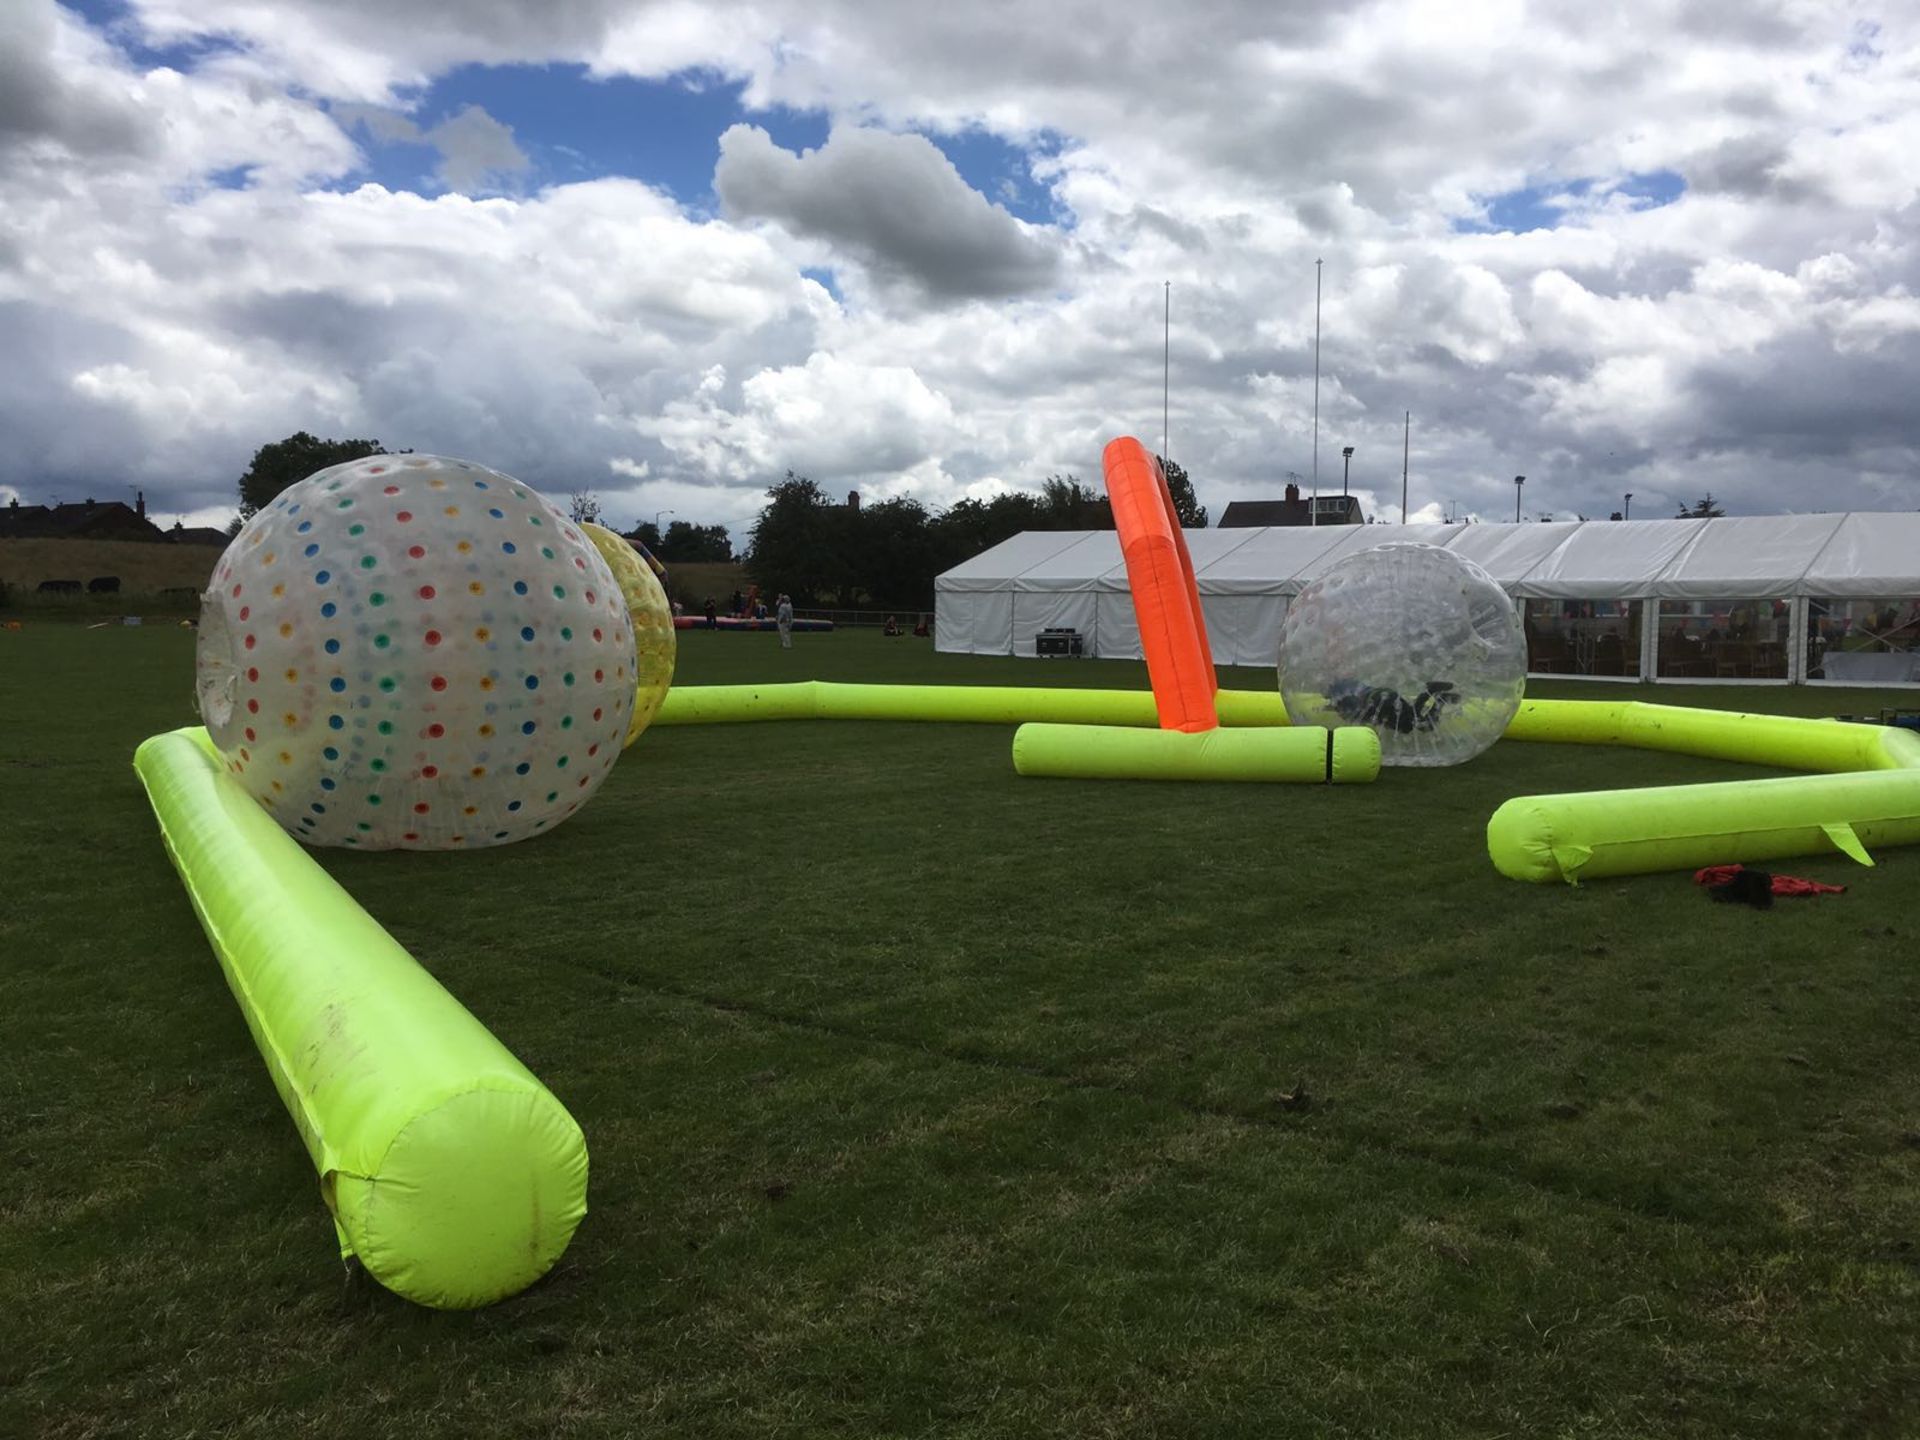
(927, 1100)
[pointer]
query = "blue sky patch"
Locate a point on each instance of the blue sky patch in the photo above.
(395, 164)
(115, 19)
(1002, 171)
(825, 279)
(1544, 206)
(1654, 188)
(665, 132)
(573, 127)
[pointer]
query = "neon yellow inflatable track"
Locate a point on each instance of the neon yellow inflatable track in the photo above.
(1306, 755)
(454, 1175)
(962, 704)
(1537, 838)
(458, 1179)
(1683, 827)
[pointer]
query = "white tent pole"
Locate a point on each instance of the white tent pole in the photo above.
(1801, 603)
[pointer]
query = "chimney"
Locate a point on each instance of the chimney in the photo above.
(140, 503)
(853, 499)
(1293, 493)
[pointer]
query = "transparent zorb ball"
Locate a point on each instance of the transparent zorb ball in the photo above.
(1417, 643)
(417, 653)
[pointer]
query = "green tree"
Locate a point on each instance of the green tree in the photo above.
(289, 461)
(1705, 508)
(1186, 504)
(686, 543)
(895, 554)
(799, 543)
(887, 554)
(648, 534)
(971, 526)
(1070, 505)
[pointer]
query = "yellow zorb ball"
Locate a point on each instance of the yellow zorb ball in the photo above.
(654, 639)
(412, 652)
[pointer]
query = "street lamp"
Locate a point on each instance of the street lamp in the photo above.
(1627, 514)
(1518, 481)
(656, 519)
(1346, 466)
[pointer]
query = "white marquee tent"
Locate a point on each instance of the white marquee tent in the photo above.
(1783, 597)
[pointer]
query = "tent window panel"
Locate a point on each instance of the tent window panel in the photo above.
(1583, 637)
(1724, 639)
(1864, 642)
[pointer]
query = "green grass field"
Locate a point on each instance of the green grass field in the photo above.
(924, 1100)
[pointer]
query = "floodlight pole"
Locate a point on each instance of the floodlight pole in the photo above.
(1518, 481)
(1406, 448)
(1166, 369)
(1313, 510)
(1627, 514)
(1346, 467)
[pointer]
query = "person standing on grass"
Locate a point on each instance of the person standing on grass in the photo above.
(783, 616)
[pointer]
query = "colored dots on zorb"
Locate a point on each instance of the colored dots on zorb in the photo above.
(413, 652)
(1415, 642)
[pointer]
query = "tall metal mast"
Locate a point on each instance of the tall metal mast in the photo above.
(1314, 510)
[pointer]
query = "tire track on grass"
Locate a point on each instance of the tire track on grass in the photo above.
(1359, 1141)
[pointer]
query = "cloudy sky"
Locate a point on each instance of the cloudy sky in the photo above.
(668, 249)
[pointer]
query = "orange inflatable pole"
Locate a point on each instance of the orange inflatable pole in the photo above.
(1165, 598)
(1193, 585)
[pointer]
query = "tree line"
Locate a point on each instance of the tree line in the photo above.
(683, 543)
(813, 548)
(822, 552)
(287, 462)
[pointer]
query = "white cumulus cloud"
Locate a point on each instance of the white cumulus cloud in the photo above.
(1635, 247)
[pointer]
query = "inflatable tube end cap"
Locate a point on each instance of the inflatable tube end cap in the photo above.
(475, 1200)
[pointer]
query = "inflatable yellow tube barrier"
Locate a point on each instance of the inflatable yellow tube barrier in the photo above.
(960, 704)
(1788, 741)
(1539, 838)
(1684, 827)
(454, 1174)
(1307, 754)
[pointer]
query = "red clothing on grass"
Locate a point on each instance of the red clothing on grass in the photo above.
(1782, 884)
